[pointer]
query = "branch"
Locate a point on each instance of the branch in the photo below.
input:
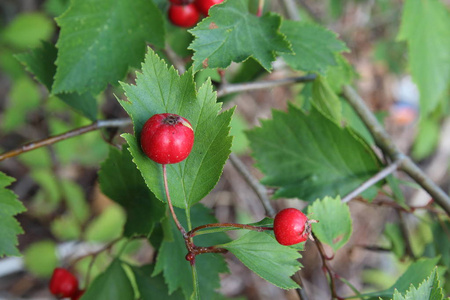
(69, 134)
(385, 142)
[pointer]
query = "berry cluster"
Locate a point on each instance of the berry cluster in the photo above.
(64, 284)
(186, 13)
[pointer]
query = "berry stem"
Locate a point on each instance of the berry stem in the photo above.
(260, 8)
(172, 211)
(192, 233)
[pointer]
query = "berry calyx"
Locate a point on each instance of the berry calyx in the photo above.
(291, 226)
(183, 15)
(167, 138)
(63, 283)
(204, 5)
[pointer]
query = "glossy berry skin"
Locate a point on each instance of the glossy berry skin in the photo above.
(203, 6)
(183, 15)
(289, 227)
(167, 138)
(63, 283)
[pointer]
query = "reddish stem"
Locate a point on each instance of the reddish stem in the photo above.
(179, 226)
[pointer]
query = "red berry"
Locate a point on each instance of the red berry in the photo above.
(291, 227)
(167, 138)
(63, 283)
(183, 15)
(204, 5)
(77, 295)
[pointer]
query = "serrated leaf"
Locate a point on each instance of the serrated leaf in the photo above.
(177, 270)
(309, 157)
(99, 40)
(262, 254)
(429, 289)
(121, 181)
(9, 227)
(232, 33)
(41, 63)
(425, 27)
(314, 46)
(160, 90)
(326, 100)
(113, 284)
(335, 223)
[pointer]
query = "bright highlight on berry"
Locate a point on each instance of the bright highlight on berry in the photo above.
(291, 227)
(167, 138)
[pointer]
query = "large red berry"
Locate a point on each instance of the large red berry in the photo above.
(183, 15)
(167, 138)
(204, 5)
(291, 227)
(63, 283)
(77, 295)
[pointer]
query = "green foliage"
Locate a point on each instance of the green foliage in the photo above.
(93, 34)
(232, 33)
(425, 27)
(9, 207)
(262, 254)
(307, 156)
(40, 258)
(427, 138)
(326, 100)
(429, 289)
(159, 90)
(107, 226)
(335, 223)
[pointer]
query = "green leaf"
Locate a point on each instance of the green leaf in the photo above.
(99, 40)
(113, 284)
(41, 63)
(160, 90)
(425, 27)
(153, 288)
(309, 157)
(325, 99)
(28, 30)
(429, 289)
(107, 226)
(171, 256)
(394, 235)
(427, 138)
(232, 33)
(75, 200)
(334, 231)
(121, 181)
(9, 227)
(314, 46)
(40, 258)
(262, 254)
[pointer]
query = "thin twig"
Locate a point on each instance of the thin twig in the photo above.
(373, 180)
(172, 211)
(241, 87)
(291, 9)
(175, 59)
(66, 135)
(254, 183)
(385, 142)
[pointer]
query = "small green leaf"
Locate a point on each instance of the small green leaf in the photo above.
(99, 40)
(113, 284)
(427, 138)
(121, 181)
(262, 254)
(232, 33)
(326, 100)
(394, 235)
(40, 258)
(66, 228)
(9, 227)
(335, 223)
(309, 156)
(429, 289)
(107, 226)
(314, 46)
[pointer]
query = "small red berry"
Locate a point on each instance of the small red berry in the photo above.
(63, 283)
(77, 295)
(204, 5)
(291, 227)
(167, 138)
(183, 15)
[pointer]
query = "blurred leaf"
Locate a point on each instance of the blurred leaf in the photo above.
(92, 51)
(75, 200)
(309, 157)
(427, 138)
(27, 30)
(394, 235)
(113, 284)
(441, 241)
(354, 121)
(232, 33)
(262, 254)
(107, 226)
(121, 181)
(425, 27)
(240, 141)
(9, 64)
(429, 289)
(326, 100)
(340, 74)
(40, 258)
(314, 47)
(335, 231)
(24, 97)
(171, 256)
(66, 228)
(9, 227)
(56, 7)
(161, 90)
